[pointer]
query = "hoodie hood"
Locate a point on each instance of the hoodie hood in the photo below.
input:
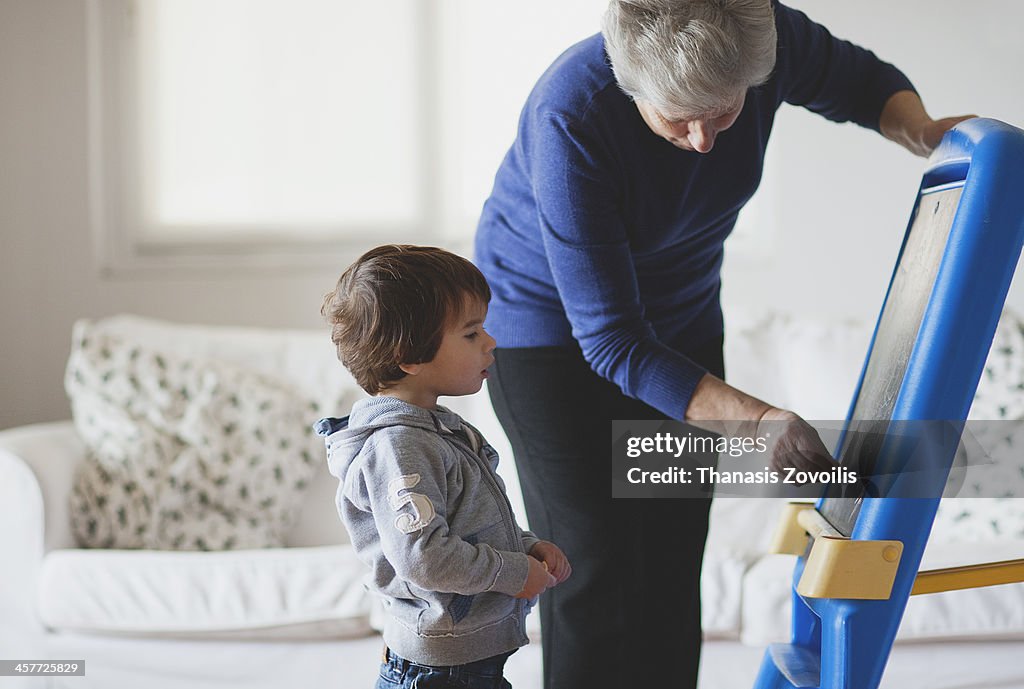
(346, 436)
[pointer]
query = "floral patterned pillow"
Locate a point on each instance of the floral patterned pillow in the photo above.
(1000, 393)
(183, 454)
(990, 505)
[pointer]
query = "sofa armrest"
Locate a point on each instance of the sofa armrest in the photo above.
(37, 465)
(24, 470)
(40, 459)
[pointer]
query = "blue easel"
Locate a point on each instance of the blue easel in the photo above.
(852, 580)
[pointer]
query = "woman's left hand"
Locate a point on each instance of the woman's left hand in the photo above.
(933, 130)
(905, 121)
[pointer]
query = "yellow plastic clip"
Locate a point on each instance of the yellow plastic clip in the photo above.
(790, 538)
(837, 567)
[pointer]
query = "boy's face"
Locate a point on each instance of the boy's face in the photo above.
(460, 365)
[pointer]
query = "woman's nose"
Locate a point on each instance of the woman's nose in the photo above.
(701, 136)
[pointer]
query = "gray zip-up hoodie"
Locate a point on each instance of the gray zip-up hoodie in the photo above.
(426, 511)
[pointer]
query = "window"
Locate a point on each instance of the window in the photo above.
(274, 132)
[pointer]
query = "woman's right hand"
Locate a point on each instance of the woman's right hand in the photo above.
(793, 442)
(538, 579)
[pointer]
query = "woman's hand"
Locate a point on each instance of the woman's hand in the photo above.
(718, 407)
(793, 442)
(905, 121)
(932, 131)
(552, 556)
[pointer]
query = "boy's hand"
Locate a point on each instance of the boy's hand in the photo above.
(552, 556)
(537, 580)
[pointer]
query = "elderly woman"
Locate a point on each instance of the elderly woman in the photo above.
(602, 241)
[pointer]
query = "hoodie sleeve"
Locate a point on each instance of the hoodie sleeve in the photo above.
(406, 490)
(529, 539)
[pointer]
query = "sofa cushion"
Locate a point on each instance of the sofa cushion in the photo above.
(812, 367)
(992, 612)
(304, 358)
(283, 593)
(999, 391)
(184, 453)
(721, 583)
(739, 531)
(969, 520)
(807, 366)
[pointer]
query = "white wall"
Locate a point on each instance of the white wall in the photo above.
(46, 257)
(839, 197)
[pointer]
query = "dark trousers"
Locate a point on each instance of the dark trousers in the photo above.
(632, 603)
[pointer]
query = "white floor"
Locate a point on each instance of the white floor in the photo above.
(964, 665)
(725, 665)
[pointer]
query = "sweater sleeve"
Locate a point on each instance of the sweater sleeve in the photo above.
(829, 76)
(588, 252)
(405, 489)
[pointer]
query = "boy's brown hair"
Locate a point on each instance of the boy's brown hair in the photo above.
(392, 306)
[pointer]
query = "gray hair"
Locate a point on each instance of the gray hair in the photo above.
(689, 57)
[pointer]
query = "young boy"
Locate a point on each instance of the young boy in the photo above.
(417, 488)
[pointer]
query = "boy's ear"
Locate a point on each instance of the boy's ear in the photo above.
(411, 369)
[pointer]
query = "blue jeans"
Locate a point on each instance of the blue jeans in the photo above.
(398, 673)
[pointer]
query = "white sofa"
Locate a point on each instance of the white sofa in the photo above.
(298, 615)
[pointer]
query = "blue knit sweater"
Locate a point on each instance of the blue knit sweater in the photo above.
(601, 233)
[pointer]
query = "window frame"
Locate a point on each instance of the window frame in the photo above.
(122, 247)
